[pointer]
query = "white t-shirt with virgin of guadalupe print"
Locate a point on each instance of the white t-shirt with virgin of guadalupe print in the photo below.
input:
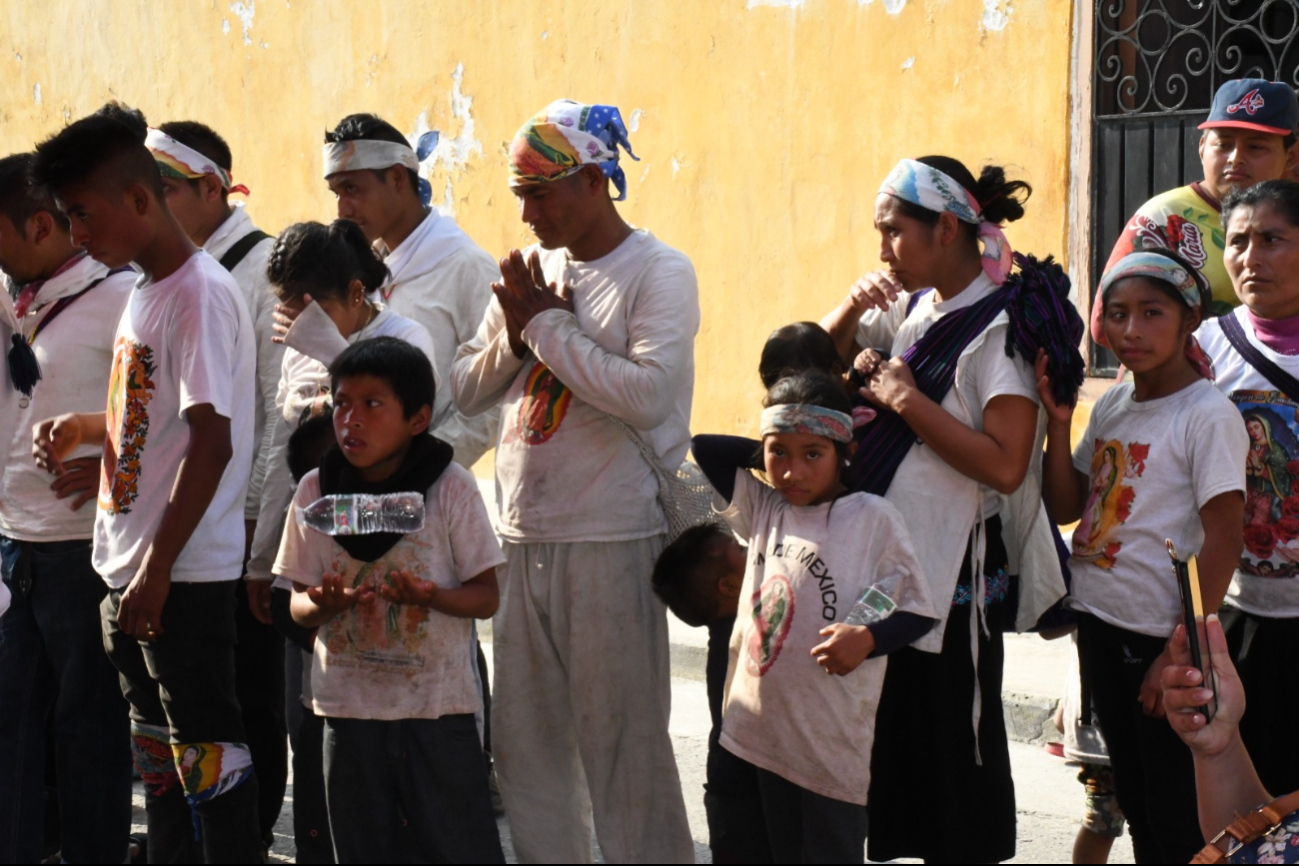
(807, 566)
(389, 661)
(1267, 581)
(183, 341)
(1153, 465)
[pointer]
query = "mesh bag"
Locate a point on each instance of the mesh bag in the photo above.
(684, 493)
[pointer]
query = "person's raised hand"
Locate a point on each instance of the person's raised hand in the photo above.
(890, 385)
(875, 291)
(1056, 415)
(80, 479)
(334, 596)
(408, 589)
(867, 362)
(1185, 691)
(54, 438)
(846, 647)
(284, 316)
(526, 292)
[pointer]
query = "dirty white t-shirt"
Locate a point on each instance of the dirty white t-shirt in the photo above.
(1267, 581)
(390, 661)
(806, 568)
(183, 341)
(1153, 465)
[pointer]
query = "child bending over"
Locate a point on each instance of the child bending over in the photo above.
(698, 577)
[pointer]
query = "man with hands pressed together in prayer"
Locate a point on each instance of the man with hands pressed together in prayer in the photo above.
(169, 532)
(595, 323)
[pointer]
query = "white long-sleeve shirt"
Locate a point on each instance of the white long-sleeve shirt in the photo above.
(250, 274)
(564, 471)
(442, 280)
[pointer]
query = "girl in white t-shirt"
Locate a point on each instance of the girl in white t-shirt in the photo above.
(1162, 458)
(814, 551)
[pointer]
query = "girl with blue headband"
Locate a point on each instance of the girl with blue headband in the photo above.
(1162, 458)
(803, 680)
(946, 335)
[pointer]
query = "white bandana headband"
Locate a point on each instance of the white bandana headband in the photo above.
(378, 155)
(807, 418)
(183, 162)
(933, 190)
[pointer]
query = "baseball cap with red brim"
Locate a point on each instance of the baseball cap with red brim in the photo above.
(1254, 103)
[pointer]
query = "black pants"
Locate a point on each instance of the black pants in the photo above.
(259, 685)
(737, 828)
(805, 827)
(1154, 776)
(1264, 650)
(411, 790)
(185, 682)
(60, 708)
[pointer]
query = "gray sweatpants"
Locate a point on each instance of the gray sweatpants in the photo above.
(580, 706)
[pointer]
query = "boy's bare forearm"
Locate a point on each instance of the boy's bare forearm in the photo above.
(475, 599)
(1223, 518)
(306, 612)
(197, 480)
(1064, 488)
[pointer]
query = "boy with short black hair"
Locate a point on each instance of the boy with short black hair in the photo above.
(394, 659)
(178, 442)
(698, 576)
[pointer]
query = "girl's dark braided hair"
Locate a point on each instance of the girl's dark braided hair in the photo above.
(311, 258)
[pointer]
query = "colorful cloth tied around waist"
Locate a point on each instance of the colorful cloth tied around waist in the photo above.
(151, 749)
(807, 418)
(565, 136)
(931, 189)
(379, 155)
(182, 162)
(1154, 266)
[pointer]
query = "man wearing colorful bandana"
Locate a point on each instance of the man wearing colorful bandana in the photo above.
(52, 661)
(590, 336)
(1248, 138)
(195, 163)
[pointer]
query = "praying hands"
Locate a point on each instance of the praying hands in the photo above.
(523, 293)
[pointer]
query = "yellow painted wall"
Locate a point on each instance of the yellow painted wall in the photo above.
(763, 132)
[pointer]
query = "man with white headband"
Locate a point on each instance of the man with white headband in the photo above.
(195, 163)
(590, 336)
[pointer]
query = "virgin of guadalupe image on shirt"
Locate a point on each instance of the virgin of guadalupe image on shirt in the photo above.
(1109, 503)
(1271, 476)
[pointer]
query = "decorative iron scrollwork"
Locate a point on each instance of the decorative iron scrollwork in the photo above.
(1163, 56)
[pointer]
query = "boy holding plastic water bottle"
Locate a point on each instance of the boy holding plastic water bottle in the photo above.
(393, 590)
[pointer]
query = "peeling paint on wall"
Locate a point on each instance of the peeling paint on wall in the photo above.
(545, 34)
(780, 4)
(225, 26)
(633, 122)
(452, 152)
(908, 63)
(245, 12)
(996, 14)
(36, 93)
(893, 7)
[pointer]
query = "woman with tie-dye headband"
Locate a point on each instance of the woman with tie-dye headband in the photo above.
(947, 337)
(591, 332)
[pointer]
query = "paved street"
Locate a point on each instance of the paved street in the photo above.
(1050, 800)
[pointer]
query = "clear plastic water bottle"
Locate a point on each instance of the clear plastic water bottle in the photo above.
(875, 604)
(364, 513)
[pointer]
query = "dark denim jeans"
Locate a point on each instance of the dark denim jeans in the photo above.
(54, 676)
(409, 791)
(185, 681)
(259, 685)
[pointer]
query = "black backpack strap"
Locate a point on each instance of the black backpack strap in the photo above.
(1280, 379)
(241, 248)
